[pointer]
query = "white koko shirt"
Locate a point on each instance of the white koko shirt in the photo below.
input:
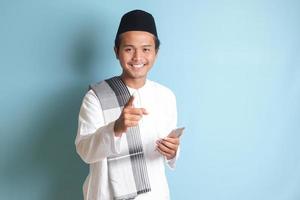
(95, 140)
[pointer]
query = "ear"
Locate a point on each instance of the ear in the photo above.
(156, 53)
(116, 52)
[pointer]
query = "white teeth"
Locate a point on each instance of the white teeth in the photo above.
(138, 66)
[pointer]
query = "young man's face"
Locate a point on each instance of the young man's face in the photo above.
(136, 54)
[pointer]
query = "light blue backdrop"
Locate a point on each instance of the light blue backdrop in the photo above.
(234, 66)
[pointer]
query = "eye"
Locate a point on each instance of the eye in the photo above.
(128, 50)
(146, 49)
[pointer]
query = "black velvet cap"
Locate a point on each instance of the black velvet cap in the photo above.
(137, 20)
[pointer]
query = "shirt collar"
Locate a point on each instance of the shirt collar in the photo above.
(132, 90)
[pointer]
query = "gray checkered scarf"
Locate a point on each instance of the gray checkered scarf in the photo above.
(127, 171)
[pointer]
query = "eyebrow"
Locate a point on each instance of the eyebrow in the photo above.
(147, 45)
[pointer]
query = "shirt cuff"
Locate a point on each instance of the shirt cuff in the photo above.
(172, 162)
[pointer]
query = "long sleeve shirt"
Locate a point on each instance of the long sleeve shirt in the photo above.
(95, 140)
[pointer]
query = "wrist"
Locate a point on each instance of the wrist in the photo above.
(117, 131)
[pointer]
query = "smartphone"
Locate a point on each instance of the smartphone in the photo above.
(176, 132)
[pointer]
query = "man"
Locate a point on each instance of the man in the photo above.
(125, 121)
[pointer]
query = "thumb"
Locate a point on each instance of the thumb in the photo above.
(130, 102)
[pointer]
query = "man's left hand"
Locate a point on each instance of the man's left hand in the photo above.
(168, 146)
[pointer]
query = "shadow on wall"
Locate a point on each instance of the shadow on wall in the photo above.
(48, 163)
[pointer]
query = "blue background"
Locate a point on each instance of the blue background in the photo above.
(233, 65)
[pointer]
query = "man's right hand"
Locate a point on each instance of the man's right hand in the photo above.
(129, 117)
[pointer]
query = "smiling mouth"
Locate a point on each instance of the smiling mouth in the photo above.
(137, 66)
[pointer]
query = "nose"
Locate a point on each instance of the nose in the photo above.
(137, 55)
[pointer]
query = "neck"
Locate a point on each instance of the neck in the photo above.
(133, 83)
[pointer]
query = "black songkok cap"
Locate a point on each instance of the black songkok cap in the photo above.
(137, 20)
